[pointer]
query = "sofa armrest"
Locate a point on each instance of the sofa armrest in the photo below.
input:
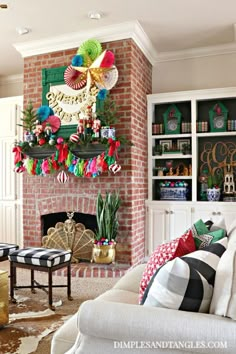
(131, 280)
(124, 322)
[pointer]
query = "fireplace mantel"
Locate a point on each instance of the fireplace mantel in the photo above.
(83, 151)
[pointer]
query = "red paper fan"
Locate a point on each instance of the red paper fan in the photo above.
(54, 122)
(71, 77)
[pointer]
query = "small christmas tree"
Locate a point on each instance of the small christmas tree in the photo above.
(108, 112)
(30, 118)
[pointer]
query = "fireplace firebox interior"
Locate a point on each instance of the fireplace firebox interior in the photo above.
(50, 220)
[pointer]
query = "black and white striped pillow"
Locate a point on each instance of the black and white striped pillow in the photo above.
(186, 283)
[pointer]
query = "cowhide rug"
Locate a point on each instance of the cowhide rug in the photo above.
(32, 324)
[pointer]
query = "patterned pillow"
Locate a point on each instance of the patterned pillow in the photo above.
(186, 283)
(165, 252)
(205, 240)
(199, 228)
(203, 237)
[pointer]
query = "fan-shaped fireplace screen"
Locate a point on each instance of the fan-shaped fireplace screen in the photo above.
(71, 235)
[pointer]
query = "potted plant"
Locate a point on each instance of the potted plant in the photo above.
(107, 112)
(214, 183)
(29, 122)
(107, 227)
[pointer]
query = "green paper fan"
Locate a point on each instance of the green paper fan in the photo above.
(91, 47)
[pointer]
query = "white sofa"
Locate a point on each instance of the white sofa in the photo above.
(115, 323)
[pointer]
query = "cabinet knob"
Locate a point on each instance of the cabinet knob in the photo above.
(219, 213)
(171, 212)
(167, 212)
(214, 213)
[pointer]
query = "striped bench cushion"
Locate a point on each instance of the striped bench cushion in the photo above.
(7, 248)
(44, 257)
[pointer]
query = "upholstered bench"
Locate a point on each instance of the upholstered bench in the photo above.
(44, 260)
(6, 249)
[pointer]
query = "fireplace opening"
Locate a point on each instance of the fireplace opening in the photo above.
(50, 220)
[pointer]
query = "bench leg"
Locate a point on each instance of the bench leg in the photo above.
(69, 283)
(12, 281)
(50, 289)
(33, 291)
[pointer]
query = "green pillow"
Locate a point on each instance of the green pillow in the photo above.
(199, 228)
(204, 240)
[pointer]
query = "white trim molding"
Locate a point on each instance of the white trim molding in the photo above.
(111, 33)
(11, 79)
(222, 49)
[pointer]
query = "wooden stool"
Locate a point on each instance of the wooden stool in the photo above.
(6, 249)
(44, 260)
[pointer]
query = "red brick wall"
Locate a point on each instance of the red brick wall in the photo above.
(43, 195)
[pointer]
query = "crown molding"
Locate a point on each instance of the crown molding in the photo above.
(11, 79)
(110, 33)
(222, 49)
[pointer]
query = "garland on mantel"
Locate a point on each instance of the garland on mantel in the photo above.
(64, 159)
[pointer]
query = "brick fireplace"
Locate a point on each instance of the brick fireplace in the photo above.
(44, 195)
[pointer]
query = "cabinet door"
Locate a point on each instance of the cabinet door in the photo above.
(179, 220)
(228, 212)
(166, 222)
(205, 212)
(156, 227)
(214, 212)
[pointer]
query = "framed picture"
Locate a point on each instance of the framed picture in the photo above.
(166, 145)
(181, 143)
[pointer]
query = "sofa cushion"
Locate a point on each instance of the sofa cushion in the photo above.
(186, 283)
(163, 253)
(131, 280)
(224, 295)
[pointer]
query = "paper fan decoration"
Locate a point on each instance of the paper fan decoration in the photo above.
(108, 78)
(108, 59)
(72, 78)
(91, 47)
(54, 123)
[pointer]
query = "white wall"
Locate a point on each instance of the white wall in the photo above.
(11, 86)
(178, 75)
(198, 73)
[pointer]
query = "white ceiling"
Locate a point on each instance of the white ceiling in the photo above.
(171, 25)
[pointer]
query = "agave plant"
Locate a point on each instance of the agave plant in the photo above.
(106, 214)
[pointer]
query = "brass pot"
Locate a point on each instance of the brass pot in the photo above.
(104, 253)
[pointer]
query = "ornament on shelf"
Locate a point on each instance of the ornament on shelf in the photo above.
(52, 140)
(74, 138)
(218, 117)
(229, 185)
(203, 178)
